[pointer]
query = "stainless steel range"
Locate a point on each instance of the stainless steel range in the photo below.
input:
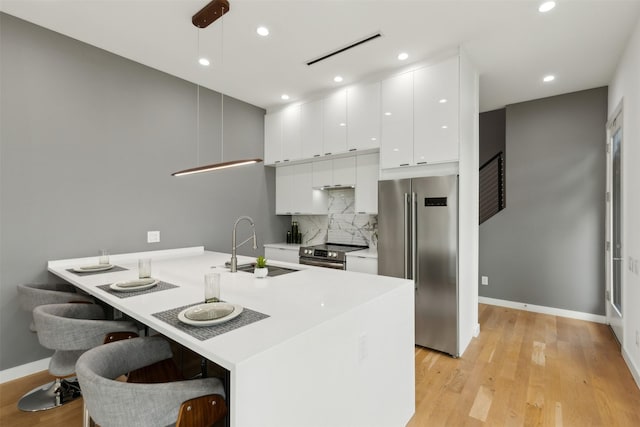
(330, 255)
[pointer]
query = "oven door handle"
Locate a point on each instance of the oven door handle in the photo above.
(327, 264)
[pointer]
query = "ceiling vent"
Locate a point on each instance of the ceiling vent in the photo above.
(343, 49)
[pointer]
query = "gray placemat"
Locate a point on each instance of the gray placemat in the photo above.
(89, 273)
(202, 333)
(161, 286)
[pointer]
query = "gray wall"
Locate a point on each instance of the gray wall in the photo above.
(491, 134)
(88, 142)
(546, 248)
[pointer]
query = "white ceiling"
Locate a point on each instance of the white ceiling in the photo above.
(511, 43)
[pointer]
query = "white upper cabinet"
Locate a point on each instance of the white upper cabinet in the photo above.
(344, 172)
(323, 173)
(363, 116)
(396, 148)
(311, 129)
(366, 192)
(291, 147)
(295, 193)
(436, 94)
(335, 123)
(273, 138)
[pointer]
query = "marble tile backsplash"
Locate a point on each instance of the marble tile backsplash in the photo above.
(341, 224)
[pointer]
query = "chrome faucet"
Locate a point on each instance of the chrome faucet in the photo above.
(234, 258)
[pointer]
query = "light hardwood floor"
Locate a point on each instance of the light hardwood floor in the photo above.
(524, 369)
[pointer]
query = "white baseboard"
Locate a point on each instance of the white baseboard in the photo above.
(544, 310)
(24, 370)
(635, 372)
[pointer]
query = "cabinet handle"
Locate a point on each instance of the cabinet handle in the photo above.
(316, 155)
(421, 163)
(337, 185)
(277, 161)
(352, 149)
(327, 154)
(404, 164)
(296, 213)
(361, 212)
(286, 160)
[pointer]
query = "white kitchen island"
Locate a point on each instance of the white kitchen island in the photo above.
(336, 350)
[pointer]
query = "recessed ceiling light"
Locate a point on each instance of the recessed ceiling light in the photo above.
(262, 31)
(546, 6)
(343, 124)
(396, 149)
(204, 62)
(549, 78)
(443, 101)
(374, 139)
(388, 113)
(338, 79)
(284, 96)
(445, 127)
(402, 56)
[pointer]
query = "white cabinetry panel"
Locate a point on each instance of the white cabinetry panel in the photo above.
(311, 129)
(366, 192)
(436, 106)
(396, 148)
(291, 147)
(335, 123)
(363, 116)
(272, 138)
(362, 264)
(280, 254)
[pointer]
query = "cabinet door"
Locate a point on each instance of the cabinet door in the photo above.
(335, 123)
(322, 173)
(301, 194)
(362, 264)
(311, 129)
(366, 193)
(436, 113)
(363, 117)
(273, 138)
(291, 147)
(396, 147)
(284, 188)
(344, 172)
(279, 254)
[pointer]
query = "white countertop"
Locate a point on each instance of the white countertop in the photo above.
(364, 253)
(287, 246)
(295, 302)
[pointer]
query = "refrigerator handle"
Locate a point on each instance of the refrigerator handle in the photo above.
(414, 239)
(406, 236)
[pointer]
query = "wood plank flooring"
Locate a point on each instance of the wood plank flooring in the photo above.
(525, 369)
(528, 369)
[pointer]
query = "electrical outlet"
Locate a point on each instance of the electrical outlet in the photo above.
(485, 280)
(153, 236)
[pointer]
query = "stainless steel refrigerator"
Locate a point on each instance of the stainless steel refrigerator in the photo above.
(418, 239)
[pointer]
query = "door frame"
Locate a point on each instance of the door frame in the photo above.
(613, 315)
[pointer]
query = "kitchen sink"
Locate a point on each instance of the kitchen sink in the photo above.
(274, 270)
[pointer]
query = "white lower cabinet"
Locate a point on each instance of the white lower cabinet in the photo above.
(282, 254)
(361, 264)
(295, 193)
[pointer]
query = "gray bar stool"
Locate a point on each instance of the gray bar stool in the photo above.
(31, 296)
(71, 329)
(112, 403)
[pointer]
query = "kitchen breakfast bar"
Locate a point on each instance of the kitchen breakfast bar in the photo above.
(315, 347)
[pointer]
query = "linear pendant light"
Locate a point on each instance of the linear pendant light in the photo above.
(202, 19)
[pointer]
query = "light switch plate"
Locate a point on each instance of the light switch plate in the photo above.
(485, 280)
(153, 236)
